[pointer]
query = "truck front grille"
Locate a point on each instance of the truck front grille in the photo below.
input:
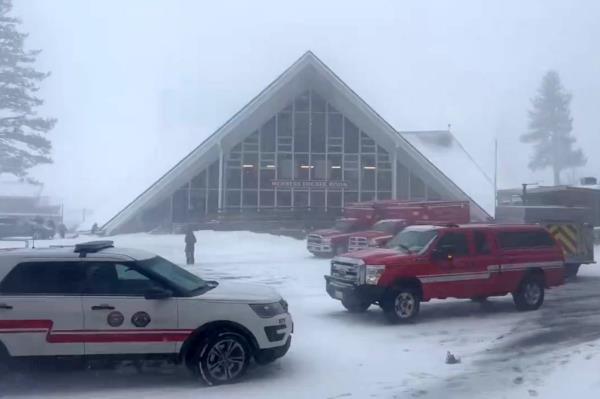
(357, 243)
(314, 239)
(348, 272)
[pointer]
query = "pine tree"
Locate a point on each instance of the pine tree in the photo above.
(22, 141)
(550, 126)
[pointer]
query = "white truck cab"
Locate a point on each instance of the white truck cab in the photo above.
(94, 300)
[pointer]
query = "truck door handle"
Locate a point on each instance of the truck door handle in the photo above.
(5, 306)
(102, 307)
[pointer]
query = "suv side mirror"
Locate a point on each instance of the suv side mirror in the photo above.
(157, 293)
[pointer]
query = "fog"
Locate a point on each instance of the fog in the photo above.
(137, 84)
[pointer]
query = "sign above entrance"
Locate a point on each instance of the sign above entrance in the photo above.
(329, 184)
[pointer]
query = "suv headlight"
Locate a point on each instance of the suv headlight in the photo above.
(268, 310)
(373, 273)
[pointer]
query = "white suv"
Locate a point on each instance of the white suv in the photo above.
(94, 300)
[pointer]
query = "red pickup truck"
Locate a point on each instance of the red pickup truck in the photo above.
(363, 217)
(455, 261)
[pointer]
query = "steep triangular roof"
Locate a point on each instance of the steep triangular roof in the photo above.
(307, 72)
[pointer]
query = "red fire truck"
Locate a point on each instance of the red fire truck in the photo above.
(387, 217)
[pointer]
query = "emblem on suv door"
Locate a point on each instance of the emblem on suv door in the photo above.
(140, 319)
(115, 319)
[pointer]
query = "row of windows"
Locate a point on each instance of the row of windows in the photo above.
(76, 278)
(301, 198)
(509, 240)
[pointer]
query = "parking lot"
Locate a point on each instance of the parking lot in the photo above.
(336, 354)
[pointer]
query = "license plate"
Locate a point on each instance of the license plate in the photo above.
(338, 294)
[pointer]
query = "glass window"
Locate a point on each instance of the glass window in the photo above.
(433, 195)
(267, 198)
(180, 205)
(525, 239)
(48, 278)
(300, 199)
(454, 242)
(172, 274)
(302, 102)
(367, 195)
(285, 166)
(213, 175)
(108, 278)
(368, 169)
(317, 123)
(321, 169)
(267, 136)
(331, 109)
(233, 178)
(335, 125)
(350, 197)
(249, 198)
(317, 199)
(384, 180)
(232, 198)
(417, 188)
(213, 200)
(402, 182)
(198, 202)
(335, 167)
(303, 167)
(284, 124)
(266, 178)
(317, 102)
(334, 199)
(351, 138)
(301, 122)
(250, 171)
(284, 198)
(351, 176)
(199, 181)
(482, 244)
(412, 240)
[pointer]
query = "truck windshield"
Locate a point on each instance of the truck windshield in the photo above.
(412, 241)
(180, 278)
(344, 225)
(385, 227)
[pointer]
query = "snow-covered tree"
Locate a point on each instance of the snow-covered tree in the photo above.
(550, 126)
(22, 141)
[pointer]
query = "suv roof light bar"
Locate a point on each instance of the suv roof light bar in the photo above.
(92, 246)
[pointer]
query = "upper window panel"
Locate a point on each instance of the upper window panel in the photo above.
(45, 278)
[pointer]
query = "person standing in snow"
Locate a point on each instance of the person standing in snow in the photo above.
(190, 245)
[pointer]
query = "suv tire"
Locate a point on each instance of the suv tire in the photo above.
(530, 294)
(221, 358)
(355, 306)
(401, 305)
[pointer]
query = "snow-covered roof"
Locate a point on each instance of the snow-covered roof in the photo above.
(307, 72)
(443, 150)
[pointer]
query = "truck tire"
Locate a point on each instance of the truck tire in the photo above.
(221, 358)
(356, 306)
(571, 270)
(401, 305)
(530, 294)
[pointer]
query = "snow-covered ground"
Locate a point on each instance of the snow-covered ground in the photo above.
(551, 353)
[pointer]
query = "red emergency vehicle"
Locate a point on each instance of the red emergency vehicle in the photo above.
(408, 214)
(360, 217)
(455, 261)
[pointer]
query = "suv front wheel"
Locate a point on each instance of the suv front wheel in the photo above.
(221, 358)
(530, 294)
(401, 305)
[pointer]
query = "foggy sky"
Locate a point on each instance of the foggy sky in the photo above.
(137, 84)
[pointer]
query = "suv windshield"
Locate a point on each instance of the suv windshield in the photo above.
(385, 227)
(344, 225)
(180, 278)
(412, 241)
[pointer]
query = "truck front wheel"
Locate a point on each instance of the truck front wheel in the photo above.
(401, 305)
(530, 294)
(356, 306)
